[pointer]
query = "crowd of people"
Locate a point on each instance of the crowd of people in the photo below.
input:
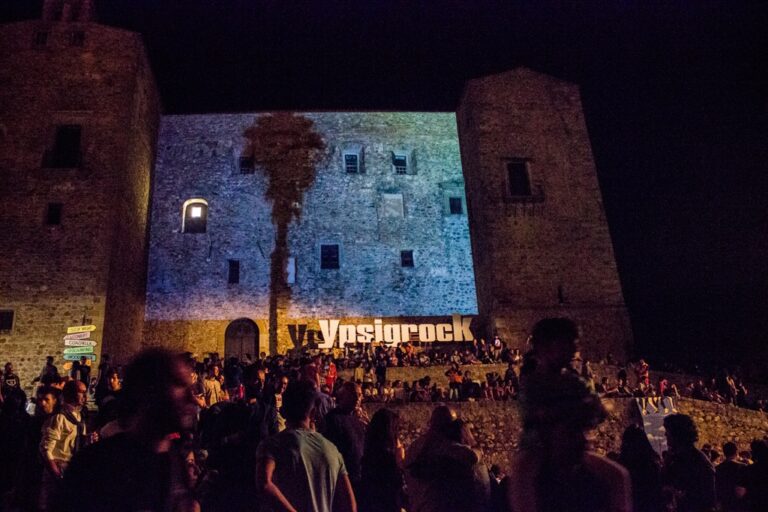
(170, 432)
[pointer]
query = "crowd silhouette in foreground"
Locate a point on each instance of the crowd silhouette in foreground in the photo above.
(175, 434)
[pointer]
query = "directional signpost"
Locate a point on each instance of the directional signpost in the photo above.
(80, 343)
(80, 328)
(77, 336)
(76, 357)
(78, 350)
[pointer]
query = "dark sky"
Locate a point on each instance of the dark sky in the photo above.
(675, 93)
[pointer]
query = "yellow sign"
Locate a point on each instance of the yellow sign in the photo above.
(80, 328)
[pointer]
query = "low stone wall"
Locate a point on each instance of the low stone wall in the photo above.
(719, 423)
(497, 425)
(435, 373)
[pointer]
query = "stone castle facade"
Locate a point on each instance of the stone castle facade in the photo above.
(159, 229)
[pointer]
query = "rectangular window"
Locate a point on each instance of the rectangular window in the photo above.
(351, 163)
(329, 256)
(400, 163)
(234, 272)
(77, 38)
(246, 165)
(41, 38)
(518, 178)
(406, 258)
(66, 148)
(53, 214)
(6, 320)
(455, 206)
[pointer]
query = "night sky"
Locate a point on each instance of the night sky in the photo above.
(676, 100)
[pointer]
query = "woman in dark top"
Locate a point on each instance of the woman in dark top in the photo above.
(381, 485)
(644, 466)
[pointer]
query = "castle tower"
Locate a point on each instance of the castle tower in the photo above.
(78, 121)
(540, 240)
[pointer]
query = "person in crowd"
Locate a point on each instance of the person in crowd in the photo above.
(109, 404)
(214, 393)
(689, 471)
(461, 475)
(421, 479)
(63, 435)
(331, 374)
(233, 379)
(48, 373)
(729, 480)
(554, 470)
(382, 485)
(346, 429)
(756, 477)
(644, 466)
(29, 472)
(11, 384)
(101, 380)
(298, 469)
(14, 425)
(141, 468)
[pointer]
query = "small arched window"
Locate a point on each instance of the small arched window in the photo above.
(194, 216)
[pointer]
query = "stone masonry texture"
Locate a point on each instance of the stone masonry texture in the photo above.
(497, 425)
(548, 253)
(199, 157)
(91, 267)
(120, 260)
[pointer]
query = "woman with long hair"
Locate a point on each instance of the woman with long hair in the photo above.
(644, 466)
(382, 485)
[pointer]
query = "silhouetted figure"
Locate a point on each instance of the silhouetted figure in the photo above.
(644, 466)
(554, 471)
(140, 468)
(756, 480)
(689, 471)
(345, 429)
(729, 480)
(423, 488)
(382, 482)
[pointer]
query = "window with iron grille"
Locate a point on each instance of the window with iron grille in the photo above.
(400, 163)
(351, 163)
(247, 165)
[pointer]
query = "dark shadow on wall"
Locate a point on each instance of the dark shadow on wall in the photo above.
(287, 149)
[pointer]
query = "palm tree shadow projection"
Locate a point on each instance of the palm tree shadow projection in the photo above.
(287, 149)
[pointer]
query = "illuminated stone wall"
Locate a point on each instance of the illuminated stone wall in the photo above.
(91, 266)
(198, 157)
(547, 252)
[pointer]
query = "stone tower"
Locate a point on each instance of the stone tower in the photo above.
(540, 240)
(78, 121)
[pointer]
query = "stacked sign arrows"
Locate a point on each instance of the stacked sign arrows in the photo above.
(77, 343)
